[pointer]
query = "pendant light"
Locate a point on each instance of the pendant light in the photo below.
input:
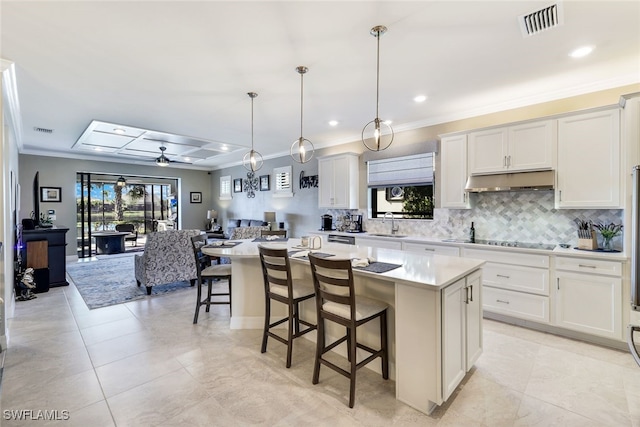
(302, 149)
(372, 134)
(121, 182)
(252, 161)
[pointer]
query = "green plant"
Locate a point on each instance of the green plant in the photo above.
(608, 231)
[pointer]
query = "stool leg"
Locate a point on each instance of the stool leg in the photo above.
(198, 302)
(352, 358)
(230, 305)
(319, 350)
(290, 334)
(383, 345)
(209, 286)
(267, 317)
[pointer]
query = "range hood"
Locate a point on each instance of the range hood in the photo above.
(521, 181)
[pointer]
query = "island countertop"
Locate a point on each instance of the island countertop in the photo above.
(433, 271)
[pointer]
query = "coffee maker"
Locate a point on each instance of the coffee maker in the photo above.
(356, 224)
(326, 223)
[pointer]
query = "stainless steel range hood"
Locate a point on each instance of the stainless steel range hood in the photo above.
(521, 181)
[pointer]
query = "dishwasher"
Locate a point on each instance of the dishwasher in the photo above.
(345, 240)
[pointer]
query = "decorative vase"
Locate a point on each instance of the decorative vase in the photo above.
(607, 244)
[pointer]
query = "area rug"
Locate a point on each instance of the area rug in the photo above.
(110, 281)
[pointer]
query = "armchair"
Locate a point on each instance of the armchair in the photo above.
(167, 258)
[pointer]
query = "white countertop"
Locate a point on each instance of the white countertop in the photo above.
(613, 256)
(436, 271)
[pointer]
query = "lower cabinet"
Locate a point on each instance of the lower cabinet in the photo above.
(589, 296)
(427, 248)
(461, 331)
(516, 304)
(379, 243)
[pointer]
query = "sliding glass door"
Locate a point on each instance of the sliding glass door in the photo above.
(102, 204)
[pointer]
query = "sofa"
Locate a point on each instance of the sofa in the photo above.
(167, 258)
(245, 228)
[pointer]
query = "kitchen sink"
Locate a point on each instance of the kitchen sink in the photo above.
(387, 235)
(457, 240)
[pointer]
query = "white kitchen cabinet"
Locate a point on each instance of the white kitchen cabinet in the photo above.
(453, 172)
(588, 175)
(386, 243)
(427, 248)
(589, 296)
(515, 284)
(525, 147)
(461, 330)
(338, 181)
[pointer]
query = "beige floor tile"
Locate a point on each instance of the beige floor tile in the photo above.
(155, 402)
(107, 331)
(538, 413)
(120, 347)
(95, 415)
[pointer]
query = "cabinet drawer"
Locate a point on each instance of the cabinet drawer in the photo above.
(431, 249)
(506, 257)
(379, 243)
(583, 265)
(516, 304)
(513, 277)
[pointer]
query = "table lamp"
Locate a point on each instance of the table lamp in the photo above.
(270, 217)
(212, 217)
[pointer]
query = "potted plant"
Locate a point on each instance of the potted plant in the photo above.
(608, 232)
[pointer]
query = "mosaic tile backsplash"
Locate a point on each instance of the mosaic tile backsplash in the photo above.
(527, 216)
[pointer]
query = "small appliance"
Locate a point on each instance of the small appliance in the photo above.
(326, 223)
(356, 224)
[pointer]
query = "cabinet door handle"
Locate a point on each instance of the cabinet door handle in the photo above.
(502, 275)
(504, 162)
(560, 195)
(558, 283)
(587, 266)
(471, 297)
(429, 249)
(466, 295)
(509, 161)
(464, 197)
(503, 302)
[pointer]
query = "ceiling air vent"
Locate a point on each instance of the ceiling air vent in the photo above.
(43, 130)
(541, 20)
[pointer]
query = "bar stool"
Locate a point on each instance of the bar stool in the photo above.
(208, 273)
(280, 286)
(336, 301)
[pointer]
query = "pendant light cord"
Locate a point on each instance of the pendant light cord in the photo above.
(301, 100)
(378, 77)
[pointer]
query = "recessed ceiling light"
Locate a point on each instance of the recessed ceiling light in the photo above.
(581, 52)
(98, 149)
(187, 159)
(420, 98)
(119, 131)
(224, 148)
(387, 122)
(333, 123)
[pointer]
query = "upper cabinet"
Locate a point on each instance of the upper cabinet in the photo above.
(453, 175)
(526, 147)
(588, 174)
(338, 181)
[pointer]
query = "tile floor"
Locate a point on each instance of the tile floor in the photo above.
(145, 364)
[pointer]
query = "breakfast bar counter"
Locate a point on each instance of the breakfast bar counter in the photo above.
(435, 309)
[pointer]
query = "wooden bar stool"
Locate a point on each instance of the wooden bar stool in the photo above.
(280, 286)
(208, 273)
(336, 301)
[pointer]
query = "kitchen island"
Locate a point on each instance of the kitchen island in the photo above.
(435, 314)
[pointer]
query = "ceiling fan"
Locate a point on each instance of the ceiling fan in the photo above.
(163, 160)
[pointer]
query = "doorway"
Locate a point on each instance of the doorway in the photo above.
(141, 201)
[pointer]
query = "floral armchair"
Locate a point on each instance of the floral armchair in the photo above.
(167, 258)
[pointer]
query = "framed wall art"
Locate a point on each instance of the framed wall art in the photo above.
(196, 197)
(264, 183)
(237, 185)
(51, 194)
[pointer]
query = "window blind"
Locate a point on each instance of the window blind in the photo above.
(416, 169)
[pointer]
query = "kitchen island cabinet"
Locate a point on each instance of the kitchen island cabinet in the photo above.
(419, 292)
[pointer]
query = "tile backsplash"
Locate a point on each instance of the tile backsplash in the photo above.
(526, 216)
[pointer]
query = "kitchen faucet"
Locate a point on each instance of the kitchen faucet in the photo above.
(394, 227)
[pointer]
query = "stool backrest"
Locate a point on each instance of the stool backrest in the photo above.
(276, 269)
(201, 259)
(333, 281)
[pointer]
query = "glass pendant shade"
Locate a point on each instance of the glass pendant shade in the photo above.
(302, 149)
(377, 135)
(121, 182)
(252, 161)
